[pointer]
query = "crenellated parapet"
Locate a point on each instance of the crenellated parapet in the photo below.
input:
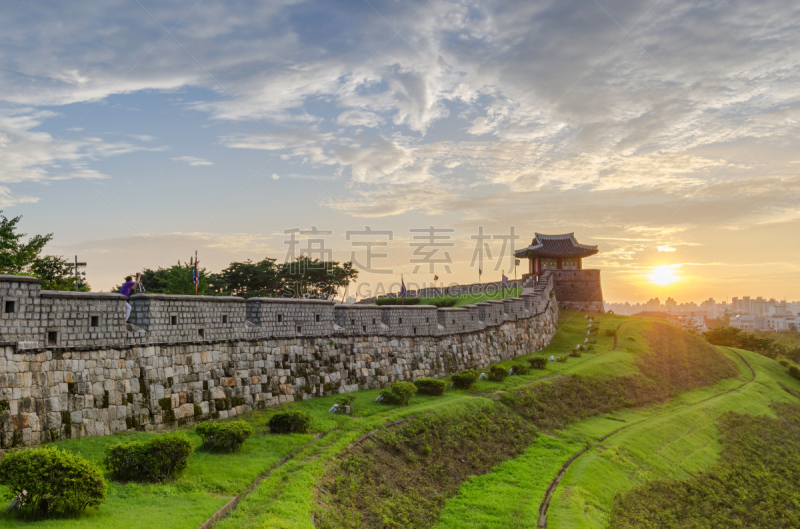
(35, 319)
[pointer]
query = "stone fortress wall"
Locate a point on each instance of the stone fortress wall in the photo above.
(72, 367)
(578, 290)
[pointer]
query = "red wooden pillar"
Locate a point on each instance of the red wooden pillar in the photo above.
(558, 263)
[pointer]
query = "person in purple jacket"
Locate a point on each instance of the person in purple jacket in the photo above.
(127, 288)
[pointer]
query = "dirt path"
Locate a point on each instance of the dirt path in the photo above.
(545, 505)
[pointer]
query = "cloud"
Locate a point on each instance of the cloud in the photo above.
(645, 124)
(193, 161)
(27, 153)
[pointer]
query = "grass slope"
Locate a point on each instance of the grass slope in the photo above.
(755, 484)
(401, 477)
(493, 500)
(674, 443)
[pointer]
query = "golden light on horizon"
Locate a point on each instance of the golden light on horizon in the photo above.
(663, 275)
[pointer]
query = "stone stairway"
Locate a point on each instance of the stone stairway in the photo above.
(529, 286)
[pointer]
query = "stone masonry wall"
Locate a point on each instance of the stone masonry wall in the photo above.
(160, 375)
(578, 290)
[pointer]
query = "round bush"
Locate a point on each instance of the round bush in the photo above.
(430, 386)
(794, 372)
(497, 373)
(55, 482)
(465, 379)
(156, 460)
(521, 369)
(538, 362)
(289, 421)
(399, 393)
(224, 435)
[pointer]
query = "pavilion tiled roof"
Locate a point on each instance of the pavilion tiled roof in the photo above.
(556, 246)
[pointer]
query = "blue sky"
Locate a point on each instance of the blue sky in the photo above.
(665, 132)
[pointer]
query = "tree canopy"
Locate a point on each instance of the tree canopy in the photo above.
(20, 257)
(733, 337)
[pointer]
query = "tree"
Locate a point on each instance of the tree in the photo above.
(312, 278)
(248, 279)
(177, 279)
(24, 258)
(733, 337)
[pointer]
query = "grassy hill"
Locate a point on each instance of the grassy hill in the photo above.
(482, 457)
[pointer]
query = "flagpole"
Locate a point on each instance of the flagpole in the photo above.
(402, 294)
(196, 273)
(502, 286)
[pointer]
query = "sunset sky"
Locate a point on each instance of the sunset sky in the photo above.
(667, 133)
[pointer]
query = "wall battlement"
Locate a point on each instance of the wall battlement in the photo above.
(72, 367)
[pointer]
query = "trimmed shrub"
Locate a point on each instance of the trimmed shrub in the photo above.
(444, 302)
(521, 369)
(344, 401)
(224, 435)
(430, 386)
(398, 393)
(289, 421)
(54, 481)
(611, 332)
(156, 460)
(497, 373)
(794, 372)
(465, 379)
(397, 301)
(538, 362)
(784, 363)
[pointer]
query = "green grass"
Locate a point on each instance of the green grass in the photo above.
(509, 496)
(675, 442)
(211, 479)
(754, 484)
(469, 299)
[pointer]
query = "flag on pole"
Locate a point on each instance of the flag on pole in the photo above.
(436, 278)
(195, 275)
(505, 279)
(403, 290)
(516, 262)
